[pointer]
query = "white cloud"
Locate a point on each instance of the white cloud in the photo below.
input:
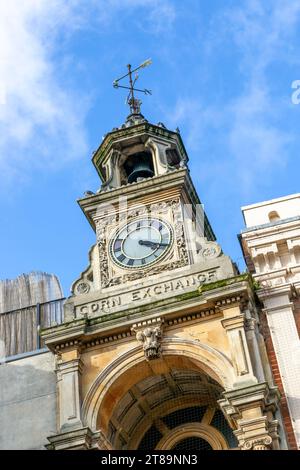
(41, 118)
(38, 119)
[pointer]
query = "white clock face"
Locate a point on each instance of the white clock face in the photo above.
(141, 242)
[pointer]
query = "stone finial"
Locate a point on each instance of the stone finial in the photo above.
(149, 333)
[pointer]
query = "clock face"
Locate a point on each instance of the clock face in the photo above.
(141, 242)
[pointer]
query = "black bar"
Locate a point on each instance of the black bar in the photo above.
(38, 322)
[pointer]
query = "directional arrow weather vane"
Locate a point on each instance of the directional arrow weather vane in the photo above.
(133, 102)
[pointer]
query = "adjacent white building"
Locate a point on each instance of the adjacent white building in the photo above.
(271, 245)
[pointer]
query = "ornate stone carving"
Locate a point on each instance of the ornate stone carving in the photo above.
(181, 244)
(107, 280)
(263, 443)
(83, 288)
(85, 282)
(150, 337)
(103, 262)
(209, 250)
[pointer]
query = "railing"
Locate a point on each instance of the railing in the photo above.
(20, 329)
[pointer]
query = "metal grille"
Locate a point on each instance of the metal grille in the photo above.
(187, 415)
(184, 416)
(150, 439)
(159, 405)
(220, 423)
(192, 444)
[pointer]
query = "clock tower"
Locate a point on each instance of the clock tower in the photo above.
(160, 347)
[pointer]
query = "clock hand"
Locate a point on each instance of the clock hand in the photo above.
(152, 244)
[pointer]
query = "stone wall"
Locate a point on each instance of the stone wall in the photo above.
(27, 402)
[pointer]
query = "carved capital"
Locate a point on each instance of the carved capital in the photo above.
(263, 443)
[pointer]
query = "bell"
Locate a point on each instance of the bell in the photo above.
(140, 169)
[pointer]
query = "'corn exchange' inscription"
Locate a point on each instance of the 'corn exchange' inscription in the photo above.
(146, 294)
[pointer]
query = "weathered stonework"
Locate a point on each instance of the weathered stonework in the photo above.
(140, 344)
(150, 335)
(271, 245)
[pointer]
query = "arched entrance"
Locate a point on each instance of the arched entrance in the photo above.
(172, 410)
(166, 403)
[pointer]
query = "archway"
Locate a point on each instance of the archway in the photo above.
(166, 409)
(133, 397)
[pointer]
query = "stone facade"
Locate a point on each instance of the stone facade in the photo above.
(165, 346)
(271, 245)
(152, 355)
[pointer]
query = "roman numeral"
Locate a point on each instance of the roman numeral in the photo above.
(118, 244)
(121, 258)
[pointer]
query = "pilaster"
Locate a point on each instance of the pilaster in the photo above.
(69, 370)
(233, 323)
(250, 410)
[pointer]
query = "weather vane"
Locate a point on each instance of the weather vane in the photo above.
(134, 103)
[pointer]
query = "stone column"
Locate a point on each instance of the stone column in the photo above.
(233, 323)
(69, 369)
(250, 412)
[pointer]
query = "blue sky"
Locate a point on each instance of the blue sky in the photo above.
(222, 72)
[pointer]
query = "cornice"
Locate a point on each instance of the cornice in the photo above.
(261, 231)
(188, 307)
(267, 292)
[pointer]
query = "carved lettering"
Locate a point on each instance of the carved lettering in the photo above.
(135, 295)
(115, 301)
(157, 290)
(202, 278)
(211, 276)
(179, 285)
(144, 295)
(104, 304)
(147, 293)
(168, 286)
(190, 282)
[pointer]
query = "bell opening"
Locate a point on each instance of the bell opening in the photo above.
(139, 166)
(173, 158)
